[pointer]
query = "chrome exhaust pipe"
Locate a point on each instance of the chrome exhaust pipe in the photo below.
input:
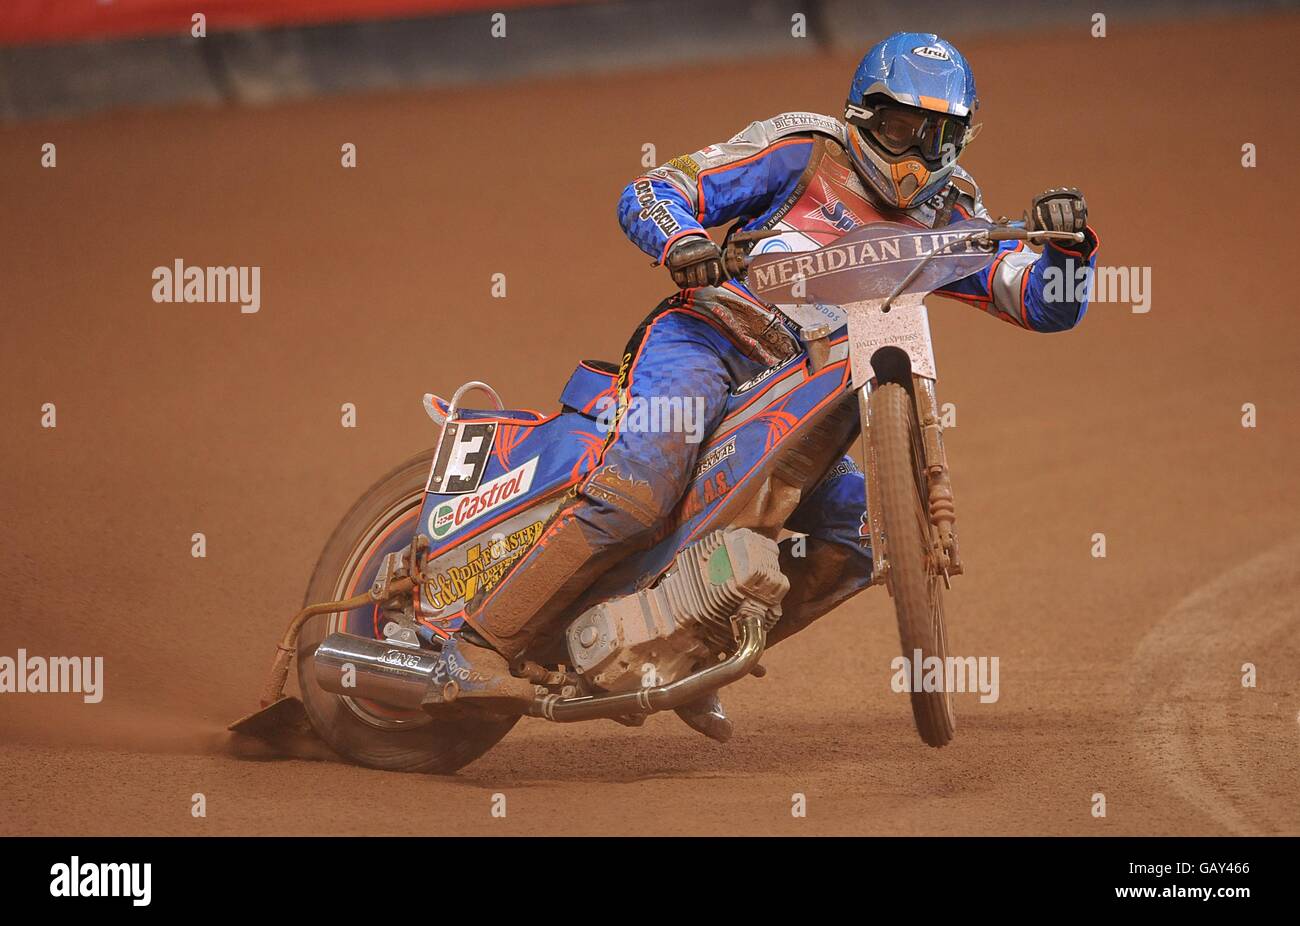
(376, 670)
(400, 676)
(662, 697)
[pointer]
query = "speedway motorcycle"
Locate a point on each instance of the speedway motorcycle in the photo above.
(690, 614)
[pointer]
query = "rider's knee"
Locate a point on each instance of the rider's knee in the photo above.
(624, 509)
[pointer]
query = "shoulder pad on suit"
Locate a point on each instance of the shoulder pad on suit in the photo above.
(750, 140)
(802, 123)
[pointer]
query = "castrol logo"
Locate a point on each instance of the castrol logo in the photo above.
(491, 495)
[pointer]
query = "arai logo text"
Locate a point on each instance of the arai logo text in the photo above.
(933, 52)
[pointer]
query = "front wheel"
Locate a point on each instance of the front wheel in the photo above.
(381, 522)
(914, 578)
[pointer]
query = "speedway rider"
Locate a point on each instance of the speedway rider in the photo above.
(812, 178)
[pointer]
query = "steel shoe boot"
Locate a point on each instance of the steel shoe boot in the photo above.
(471, 672)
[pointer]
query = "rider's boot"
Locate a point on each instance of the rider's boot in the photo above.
(705, 715)
(826, 575)
(471, 672)
(563, 564)
(570, 554)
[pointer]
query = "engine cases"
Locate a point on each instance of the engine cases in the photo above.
(662, 633)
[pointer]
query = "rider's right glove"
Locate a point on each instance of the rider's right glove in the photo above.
(695, 261)
(1061, 209)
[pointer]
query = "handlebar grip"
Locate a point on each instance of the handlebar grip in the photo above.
(735, 256)
(1007, 233)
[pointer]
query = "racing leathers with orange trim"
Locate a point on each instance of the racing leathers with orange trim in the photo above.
(637, 482)
(790, 174)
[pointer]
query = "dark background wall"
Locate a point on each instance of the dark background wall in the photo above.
(60, 59)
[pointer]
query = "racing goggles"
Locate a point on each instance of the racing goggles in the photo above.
(898, 128)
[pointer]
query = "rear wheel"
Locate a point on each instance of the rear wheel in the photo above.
(914, 578)
(382, 521)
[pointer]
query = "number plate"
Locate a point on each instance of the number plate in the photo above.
(462, 457)
(906, 325)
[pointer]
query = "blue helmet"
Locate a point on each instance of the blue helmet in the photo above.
(909, 111)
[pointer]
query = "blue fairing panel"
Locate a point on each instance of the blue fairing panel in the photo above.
(476, 536)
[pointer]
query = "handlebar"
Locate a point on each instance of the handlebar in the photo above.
(736, 255)
(1001, 231)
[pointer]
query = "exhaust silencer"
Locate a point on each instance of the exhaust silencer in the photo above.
(375, 670)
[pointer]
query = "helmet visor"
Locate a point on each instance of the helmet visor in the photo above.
(898, 128)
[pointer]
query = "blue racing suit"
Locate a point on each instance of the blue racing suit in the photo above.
(789, 174)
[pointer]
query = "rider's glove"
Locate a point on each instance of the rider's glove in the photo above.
(1061, 209)
(695, 261)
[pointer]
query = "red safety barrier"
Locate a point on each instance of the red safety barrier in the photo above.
(56, 21)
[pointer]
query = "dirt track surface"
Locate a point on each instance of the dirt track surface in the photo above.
(1118, 675)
